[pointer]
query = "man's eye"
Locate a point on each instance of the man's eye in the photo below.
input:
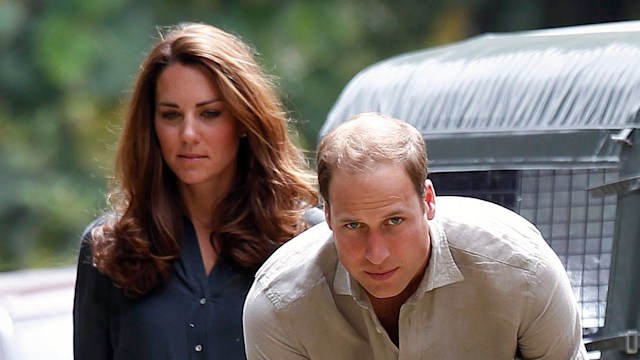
(352, 226)
(395, 220)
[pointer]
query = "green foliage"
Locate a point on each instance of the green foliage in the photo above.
(67, 66)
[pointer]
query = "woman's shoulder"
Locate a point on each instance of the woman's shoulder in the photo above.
(98, 222)
(87, 238)
(88, 277)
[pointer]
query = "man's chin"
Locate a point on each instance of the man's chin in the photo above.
(381, 294)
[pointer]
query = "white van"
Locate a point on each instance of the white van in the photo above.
(36, 319)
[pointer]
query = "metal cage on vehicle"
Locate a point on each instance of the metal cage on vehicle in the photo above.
(543, 122)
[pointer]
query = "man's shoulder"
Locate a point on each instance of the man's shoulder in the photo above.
(485, 216)
(492, 231)
(299, 265)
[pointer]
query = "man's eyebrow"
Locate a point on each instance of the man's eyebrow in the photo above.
(346, 220)
(392, 213)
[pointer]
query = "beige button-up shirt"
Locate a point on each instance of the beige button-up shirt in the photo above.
(493, 289)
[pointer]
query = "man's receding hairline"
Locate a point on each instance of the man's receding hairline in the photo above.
(355, 127)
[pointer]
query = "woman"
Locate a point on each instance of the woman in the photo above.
(208, 184)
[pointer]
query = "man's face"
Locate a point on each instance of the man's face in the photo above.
(381, 228)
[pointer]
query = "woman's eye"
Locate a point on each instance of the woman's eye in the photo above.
(395, 220)
(170, 115)
(210, 114)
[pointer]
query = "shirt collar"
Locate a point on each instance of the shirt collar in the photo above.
(441, 270)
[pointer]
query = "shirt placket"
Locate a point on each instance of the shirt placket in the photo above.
(197, 325)
(408, 333)
(200, 300)
(385, 348)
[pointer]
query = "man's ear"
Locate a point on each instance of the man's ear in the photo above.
(327, 214)
(429, 199)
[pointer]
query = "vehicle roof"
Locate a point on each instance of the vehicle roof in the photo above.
(578, 77)
(573, 79)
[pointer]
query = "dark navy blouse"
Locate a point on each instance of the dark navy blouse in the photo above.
(194, 316)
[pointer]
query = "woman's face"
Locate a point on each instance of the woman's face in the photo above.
(198, 135)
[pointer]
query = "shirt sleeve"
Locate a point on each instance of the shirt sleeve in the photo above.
(552, 328)
(91, 339)
(267, 333)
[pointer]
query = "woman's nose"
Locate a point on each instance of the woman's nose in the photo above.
(190, 131)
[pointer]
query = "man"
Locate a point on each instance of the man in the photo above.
(389, 277)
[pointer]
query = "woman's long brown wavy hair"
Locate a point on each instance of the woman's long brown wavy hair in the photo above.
(273, 187)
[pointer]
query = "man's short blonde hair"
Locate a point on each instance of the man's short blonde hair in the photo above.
(367, 140)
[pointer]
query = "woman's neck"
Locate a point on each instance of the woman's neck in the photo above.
(201, 201)
(200, 204)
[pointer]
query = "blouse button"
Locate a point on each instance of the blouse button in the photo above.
(203, 301)
(198, 348)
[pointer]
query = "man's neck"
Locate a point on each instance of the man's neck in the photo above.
(388, 309)
(388, 313)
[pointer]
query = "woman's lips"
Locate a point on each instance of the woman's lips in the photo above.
(191, 156)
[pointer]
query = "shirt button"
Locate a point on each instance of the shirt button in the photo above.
(198, 348)
(378, 330)
(192, 325)
(203, 301)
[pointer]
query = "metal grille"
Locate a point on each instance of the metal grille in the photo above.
(579, 227)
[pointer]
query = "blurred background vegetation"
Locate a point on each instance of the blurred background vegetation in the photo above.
(66, 67)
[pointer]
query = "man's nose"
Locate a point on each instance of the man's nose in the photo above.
(377, 250)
